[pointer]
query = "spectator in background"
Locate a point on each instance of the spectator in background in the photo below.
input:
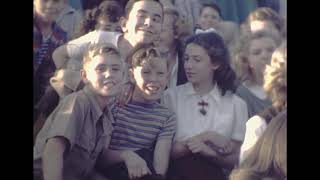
(250, 58)
(211, 20)
(275, 85)
(268, 158)
(47, 36)
(69, 20)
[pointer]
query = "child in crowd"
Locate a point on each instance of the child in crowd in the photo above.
(104, 17)
(76, 132)
(250, 58)
(210, 20)
(275, 85)
(210, 117)
(47, 36)
(170, 46)
(143, 129)
(268, 158)
(69, 19)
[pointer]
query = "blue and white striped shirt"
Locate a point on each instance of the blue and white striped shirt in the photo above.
(140, 125)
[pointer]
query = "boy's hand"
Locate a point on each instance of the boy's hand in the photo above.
(137, 167)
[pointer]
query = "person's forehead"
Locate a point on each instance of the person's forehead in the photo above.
(209, 10)
(151, 7)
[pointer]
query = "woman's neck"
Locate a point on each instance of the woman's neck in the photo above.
(203, 88)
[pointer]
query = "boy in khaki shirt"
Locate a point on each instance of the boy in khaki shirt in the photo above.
(75, 133)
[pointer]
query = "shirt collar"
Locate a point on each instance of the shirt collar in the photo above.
(97, 112)
(215, 93)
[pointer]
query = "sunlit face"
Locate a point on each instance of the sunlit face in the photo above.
(104, 74)
(264, 26)
(151, 79)
(198, 66)
(209, 18)
(48, 10)
(144, 22)
(260, 52)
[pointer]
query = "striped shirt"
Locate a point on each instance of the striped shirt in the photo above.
(140, 125)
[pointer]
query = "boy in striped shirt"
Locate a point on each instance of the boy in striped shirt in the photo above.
(143, 131)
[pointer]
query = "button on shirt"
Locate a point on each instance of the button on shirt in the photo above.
(225, 115)
(80, 120)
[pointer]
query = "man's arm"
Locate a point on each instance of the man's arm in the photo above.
(60, 56)
(53, 158)
(162, 156)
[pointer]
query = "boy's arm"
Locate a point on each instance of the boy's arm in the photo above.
(53, 158)
(162, 156)
(137, 167)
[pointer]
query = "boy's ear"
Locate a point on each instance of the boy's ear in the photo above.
(83, 75)
(123, 23)
(131, 75)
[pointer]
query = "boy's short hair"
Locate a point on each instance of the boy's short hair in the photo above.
(142, 52)
(99, 49)
(130, 4)
(213, 6)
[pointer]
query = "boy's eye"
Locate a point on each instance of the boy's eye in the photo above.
(256, 52)
(146, 72)
(101, 68)
(161, 73)
(186, 58)
(156, 19)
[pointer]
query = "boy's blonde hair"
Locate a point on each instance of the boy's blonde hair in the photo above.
(99, 49)
(275, 78)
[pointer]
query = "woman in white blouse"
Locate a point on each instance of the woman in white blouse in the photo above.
(211, 118)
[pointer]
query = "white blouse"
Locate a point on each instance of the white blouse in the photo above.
(225, 115)
(254, 129)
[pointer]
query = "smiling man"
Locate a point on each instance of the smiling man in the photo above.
(142, 23)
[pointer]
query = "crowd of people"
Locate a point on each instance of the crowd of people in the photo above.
(159, 89)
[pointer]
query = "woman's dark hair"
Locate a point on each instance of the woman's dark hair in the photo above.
(108, 8)
(218, 52)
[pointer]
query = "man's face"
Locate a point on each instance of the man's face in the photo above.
(144, 22)
(48, 9)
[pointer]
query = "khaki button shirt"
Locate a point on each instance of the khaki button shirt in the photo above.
(87, 128)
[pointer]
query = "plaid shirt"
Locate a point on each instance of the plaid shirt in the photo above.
(43, 66)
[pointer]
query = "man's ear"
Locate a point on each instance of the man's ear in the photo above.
(123, 24)
(83, 75)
